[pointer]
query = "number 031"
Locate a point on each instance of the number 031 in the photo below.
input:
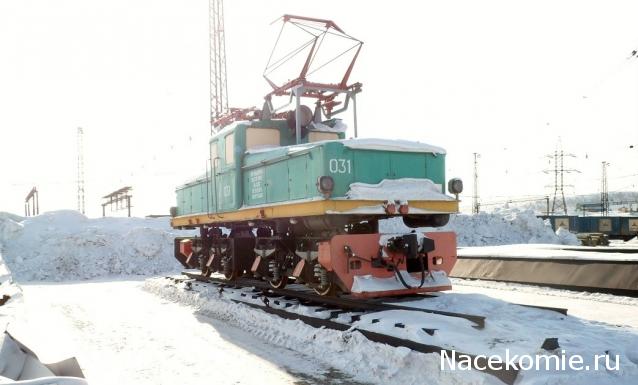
(340, 166)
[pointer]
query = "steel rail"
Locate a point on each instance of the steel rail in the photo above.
(340, 302)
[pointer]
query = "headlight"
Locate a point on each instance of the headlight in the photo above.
(455, 186)
(325, 184)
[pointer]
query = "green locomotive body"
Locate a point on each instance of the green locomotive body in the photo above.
(253, 164)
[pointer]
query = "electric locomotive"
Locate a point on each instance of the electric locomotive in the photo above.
(287, 198)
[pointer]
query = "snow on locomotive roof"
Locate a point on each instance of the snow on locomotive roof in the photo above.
(392, 145)
(398, 145)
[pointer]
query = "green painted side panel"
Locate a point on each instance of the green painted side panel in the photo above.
(181, 203)
(371, 166)
(225, 190)
(202, 202)
(346, 166)
(277, 182)
(435, 169)
(408, 165)
(298, 178)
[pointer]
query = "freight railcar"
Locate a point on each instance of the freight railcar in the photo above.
(615, 227)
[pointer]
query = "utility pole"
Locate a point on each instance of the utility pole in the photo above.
(218, 84)
(604, 193)
(558, 159)
(476, 206)
(80, 144)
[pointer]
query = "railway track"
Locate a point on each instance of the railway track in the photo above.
(342, 313)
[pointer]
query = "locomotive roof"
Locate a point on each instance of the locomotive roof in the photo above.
(398, 145)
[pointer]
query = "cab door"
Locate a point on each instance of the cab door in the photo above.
(298, 177)
(226, 174)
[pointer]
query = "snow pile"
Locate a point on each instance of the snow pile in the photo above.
(403, 189)
(10, 295)
(501, 228)
(349, 352)
(566, 237)
(9, 226)
(519, 330)
(66, 245)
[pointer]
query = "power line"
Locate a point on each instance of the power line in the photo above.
(476, 206)
(559, 171)
(604, 193)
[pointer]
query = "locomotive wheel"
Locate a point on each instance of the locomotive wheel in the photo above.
(233, 272)
(329, 290)
(279, 284)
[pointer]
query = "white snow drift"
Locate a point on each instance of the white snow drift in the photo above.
(500, 228)
(520, 330)
(66, 245)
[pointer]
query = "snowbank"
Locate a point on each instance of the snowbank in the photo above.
(9, 226)
(566, 237)
(66, 245)
(349, 351)
(501, 228)
(509, 327)
(10, 295)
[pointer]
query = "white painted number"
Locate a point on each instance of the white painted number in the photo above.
(340, 166)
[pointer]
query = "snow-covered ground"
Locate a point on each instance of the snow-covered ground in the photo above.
(132, 330)
(545, 251)
(10, 289)
(122, 334)
(521, 330)
(595, 307)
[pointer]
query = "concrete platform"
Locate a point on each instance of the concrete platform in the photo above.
(552, 265)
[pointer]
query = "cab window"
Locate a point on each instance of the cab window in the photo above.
(317, 136)
(262, 137)
(229, 148)
(213, 151)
